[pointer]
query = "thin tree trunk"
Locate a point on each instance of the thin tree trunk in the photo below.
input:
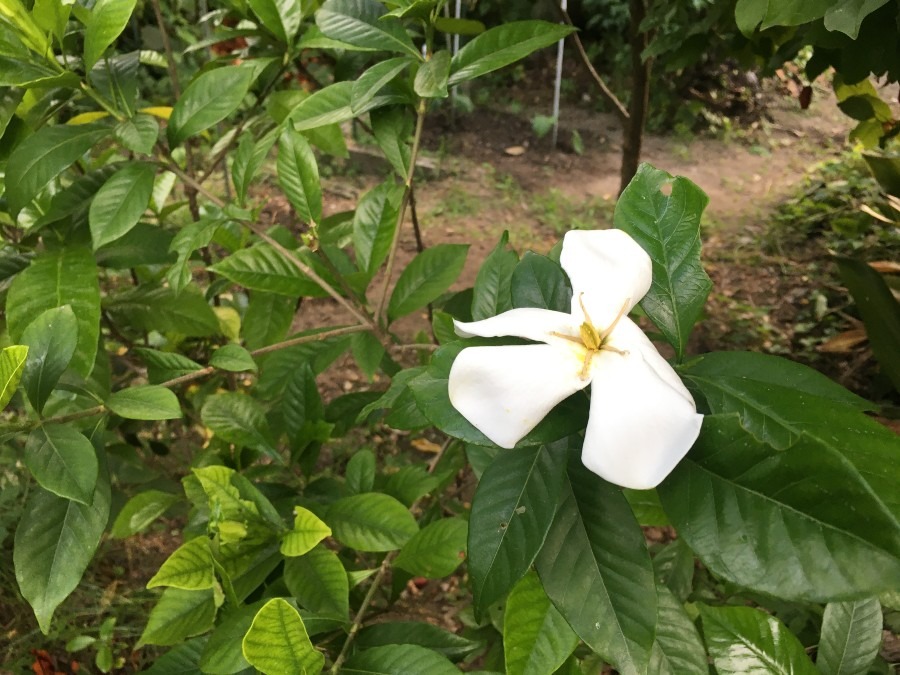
(633, 127)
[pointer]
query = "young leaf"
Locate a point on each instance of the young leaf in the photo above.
(178, 615)
(108, 19)
(277, 642)
(12, 365)
(492, 293)
(512, 511)
(431, 78)
(427, 275)
(140, 511)
(503, 45)
(371, 522)
(743, 640)
(189, 567)
(298, 176)
(120, 203)
(65, 276)
(233, 358)
(361, 23)
(147, 402)
(667, 226)
(308, 531)
(536, 637)
(399, 660)
(851, 637)
(210, 98)
(436, 550)
(595, 549)
(63, 461)
(319, 582)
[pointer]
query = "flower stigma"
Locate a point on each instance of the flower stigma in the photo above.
(593, 340)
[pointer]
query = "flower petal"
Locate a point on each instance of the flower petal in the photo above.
(608, 267)
(505, 391)
(640, 426)
(528, 322)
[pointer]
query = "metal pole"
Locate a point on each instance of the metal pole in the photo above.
(558, 83)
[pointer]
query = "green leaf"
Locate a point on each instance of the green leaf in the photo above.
(667, 226)
(108, 19)
(237, 418)
(51, 340)
(152, 307)
(426, 276)
(371, 522)
(248, 159)
(678, 649)
(66, 276)
(375, 79)
(596, 569)
(301, 405)
(12, 365)
(147, 402)
(765, 509)
(503, 45)
(847, 16)
(537, 281)
(436, 550)
(880, 313)
(512, 510)
(392, 128)
(263, 268)
(120, 203)
(178, 615)
(746, 640)
(26, 28)
(162, 366)
(409, 483)
(431, 78)
(360, 472)
(415, 633)
(138, 134)
(361, 23)
(233, 358)
(492, 294)
(63, 461)
(277, 642)
(398, 660)
(267, 319)
(536, 637)
(308, 531)
(455, 26)
(189, 567)
(319, 582)
(374, 223)
(43, 156)
(182, 659)
(851, 637)
(281, 17)
(330, 105)
(298, 176)
(210, 98)
(223, 653)
(140, 511)
(55, 540)
(368, 352)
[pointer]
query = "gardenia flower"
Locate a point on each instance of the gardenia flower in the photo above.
(642, 418)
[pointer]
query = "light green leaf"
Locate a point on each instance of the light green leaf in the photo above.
(162, 366)
(298, 176)
(233, 358)
(189, 567)
(140, 511)
(360, 472)
(178, 615)
(398, 660)
(248, 159)
(210, 98)
(262, 268)
(330, 105)
(153, 307)
(308, 531)
(361, 23)
(108, 20)
(138, 134)
(120, 203)
(65, 276)
(847, 16)
(426, 276)
(375, 79)
(319, 582)
(277, 642)
(431, 78)
(237, 418)
(223, 653)
(436, 550)
(52, 16)
(667, 226)
(281, 17)
(745, 640)
(14, 13)
(371, 522)
(374, 223)
(12, 364)
(851, 637)
(392, 128)
(536, 637)
(63, 461)
(147, 402)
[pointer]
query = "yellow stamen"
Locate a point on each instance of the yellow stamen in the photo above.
(622, 312)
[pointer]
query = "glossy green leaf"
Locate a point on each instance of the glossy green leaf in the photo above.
(319, 582)
(371, 522)
(851, 637)
(27, 29)
(426, 276)
(66, 276)
(55, 540)
(237, 418)
(844, 16)
(298, 176)
(375, 79)
(308, 531)
(63, 461)
(51, 340)
(12, 365)
(281, 17)
(183, 658)
(880, 313)
(436, 550)
(301, 405)
(677, 649)
(537, 281)
(147, 402)
(162, 366)
(267, 319)
(746, 508)
(536, 637)
(108, 20)
(416, 633)
(595, 567)
(330, 105)
(189, 567)
(154, 307)
(667, 226)
(368, 353)
(392, 128)
(745, 640)
(210, 98)
(120, 203)
(398, 660)
(502, 46)
(374, 223)
(223, 653)
(277, 642)
(360, 23)
(492, 294)
(140, 511)
(138, 134)
(177, 615)
(234, 358)
(248, 159)
(409, 483)
(263, 268)
(431, 78)
(43, 156)
(360, 472)
(455, 26)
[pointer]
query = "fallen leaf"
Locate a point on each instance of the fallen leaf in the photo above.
(844, 343)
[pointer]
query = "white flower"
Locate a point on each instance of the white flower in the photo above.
(642, 418)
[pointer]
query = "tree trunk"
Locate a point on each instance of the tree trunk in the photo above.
(633, 127)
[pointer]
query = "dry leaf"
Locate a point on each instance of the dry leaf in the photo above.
(515, 150)
(424, 445)
(843, 343)
(885, 266)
